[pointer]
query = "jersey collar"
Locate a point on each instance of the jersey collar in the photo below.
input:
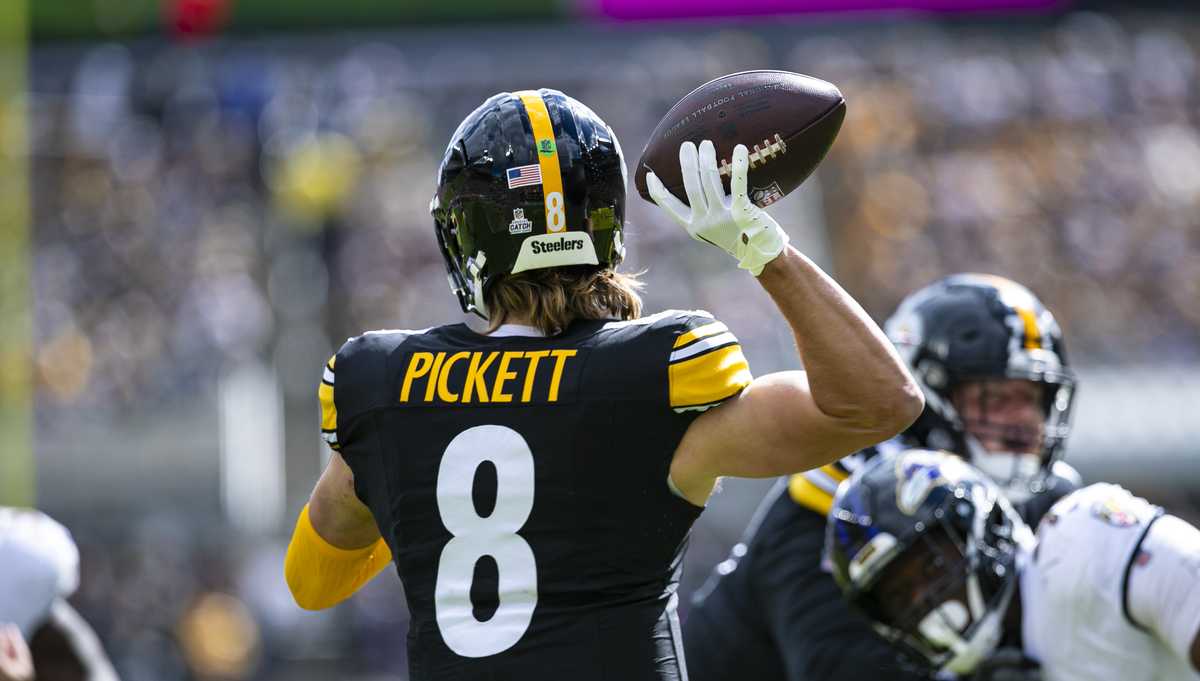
(516, 330)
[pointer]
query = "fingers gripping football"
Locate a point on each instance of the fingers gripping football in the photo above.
(732, 223)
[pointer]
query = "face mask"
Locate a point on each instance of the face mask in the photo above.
(968, 639)
(1016, 473)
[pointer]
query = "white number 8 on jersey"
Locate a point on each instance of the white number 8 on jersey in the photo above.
(475, 537)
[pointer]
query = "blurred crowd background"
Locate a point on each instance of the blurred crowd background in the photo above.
(212, 216)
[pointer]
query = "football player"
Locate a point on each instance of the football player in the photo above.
(535, 484)
(931, 551)
(998, 391)
(41, 635)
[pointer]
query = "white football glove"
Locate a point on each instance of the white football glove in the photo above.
(731, 223)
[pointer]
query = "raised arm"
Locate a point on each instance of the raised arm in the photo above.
(855, 390)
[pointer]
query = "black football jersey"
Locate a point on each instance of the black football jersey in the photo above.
(521, 483)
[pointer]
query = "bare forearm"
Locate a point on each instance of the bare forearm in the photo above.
(854, 373)
(336, 512)
(336, 547)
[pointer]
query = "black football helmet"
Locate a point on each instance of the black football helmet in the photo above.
(969, 327)
(925, 545)
(530, 179)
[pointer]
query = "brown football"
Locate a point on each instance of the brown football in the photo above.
(787, 121)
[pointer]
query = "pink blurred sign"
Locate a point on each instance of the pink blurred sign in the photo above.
(634, 10)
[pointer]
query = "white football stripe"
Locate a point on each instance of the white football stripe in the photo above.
(640, 321)
(703, 345)
(822, 479)
(328, 375)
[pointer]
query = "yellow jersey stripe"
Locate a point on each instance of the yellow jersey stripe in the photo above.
(1033, 335)
(835, 472)
(804, 492)
(838, 468)
(547, 155)
(708, 378)
(328, 408)
(700, 332)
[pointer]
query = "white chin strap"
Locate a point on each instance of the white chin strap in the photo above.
(475, 281)
(1015, 473)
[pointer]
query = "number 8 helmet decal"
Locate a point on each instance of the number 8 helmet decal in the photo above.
(530, 179)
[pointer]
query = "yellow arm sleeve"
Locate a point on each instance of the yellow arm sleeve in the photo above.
(320, 575)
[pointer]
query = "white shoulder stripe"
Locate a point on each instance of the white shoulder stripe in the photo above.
(407, 332)
(328, 375)
(640, 321)
(822, 479)
(703, 345)
(650, 319)
(696, 407)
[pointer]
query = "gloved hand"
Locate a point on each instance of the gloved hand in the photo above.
(1008, 664)
(731, 223)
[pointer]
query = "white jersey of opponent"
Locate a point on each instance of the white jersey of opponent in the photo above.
(39, 563)
(1078, 617)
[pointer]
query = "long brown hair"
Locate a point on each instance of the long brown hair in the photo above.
(553, 297)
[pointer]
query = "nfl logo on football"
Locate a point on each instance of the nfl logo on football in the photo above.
(765, 196)
(519, 224)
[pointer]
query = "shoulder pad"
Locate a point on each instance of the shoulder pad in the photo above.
(358, 356)
(815, 489)
(1109, 504)
(384, 340)
(666, 318)
(705, 364)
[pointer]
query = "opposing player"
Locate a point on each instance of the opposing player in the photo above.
(998, 391)
(41, 635)
(929, 549)
(535, 484)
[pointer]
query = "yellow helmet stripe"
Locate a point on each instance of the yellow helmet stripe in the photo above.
(1033, 335)
(328, 406)
(547, 155)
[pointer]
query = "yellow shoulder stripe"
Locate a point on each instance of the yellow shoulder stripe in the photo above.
(804, 492)
(700, 332)
(708, 378)
(835, 471)
(328, 408)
